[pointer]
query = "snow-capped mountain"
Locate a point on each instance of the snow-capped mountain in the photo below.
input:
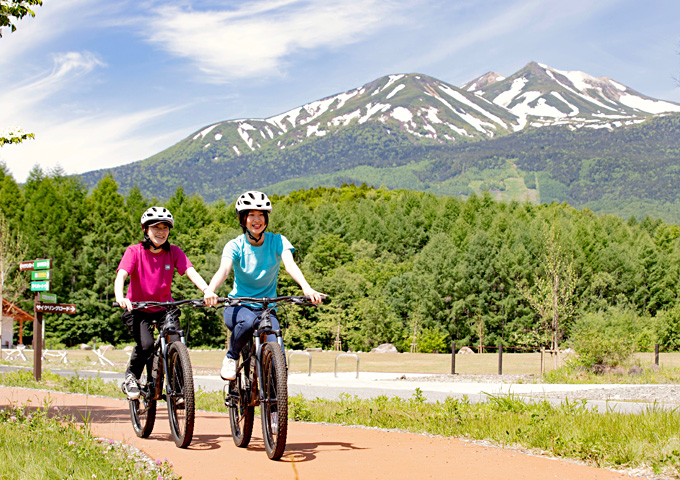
(539, 95)
(433, 111)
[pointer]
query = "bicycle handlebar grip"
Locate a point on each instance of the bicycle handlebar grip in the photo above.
(116, 304)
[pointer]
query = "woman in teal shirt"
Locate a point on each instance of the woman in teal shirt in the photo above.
(255, 257)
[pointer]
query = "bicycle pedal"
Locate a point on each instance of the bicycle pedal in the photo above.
(164, 397)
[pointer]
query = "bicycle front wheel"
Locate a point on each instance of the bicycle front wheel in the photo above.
(274, 405)
(180, 397)
(143, 409)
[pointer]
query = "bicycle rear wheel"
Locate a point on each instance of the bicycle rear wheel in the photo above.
(180, 398)
(143, 409)
(241, 413)
(274, 405)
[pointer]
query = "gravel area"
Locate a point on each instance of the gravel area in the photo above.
(660, 393)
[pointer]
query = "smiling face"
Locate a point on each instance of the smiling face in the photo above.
(158, 234)
(256, 222)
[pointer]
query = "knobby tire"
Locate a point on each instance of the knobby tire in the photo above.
(180, 397)
(274, 405)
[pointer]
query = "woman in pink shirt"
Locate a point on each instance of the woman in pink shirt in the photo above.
(150, 265)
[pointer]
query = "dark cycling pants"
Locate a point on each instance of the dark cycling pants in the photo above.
(241, 321)
(139, 324)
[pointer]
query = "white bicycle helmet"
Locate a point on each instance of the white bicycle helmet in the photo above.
(253, 200)
(156, 215)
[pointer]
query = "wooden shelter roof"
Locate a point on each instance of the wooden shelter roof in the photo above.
(11, 310)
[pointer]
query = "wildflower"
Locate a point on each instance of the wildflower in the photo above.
(159, 461)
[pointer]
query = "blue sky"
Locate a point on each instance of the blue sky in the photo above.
(102, 83)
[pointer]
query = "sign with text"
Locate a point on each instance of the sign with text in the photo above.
(55, 308)
(40, 264)
(48, 297)
(40, 274)
(40, 286)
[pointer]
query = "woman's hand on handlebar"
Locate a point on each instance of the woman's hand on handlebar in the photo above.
(315, 297)
(124, 303)
(209, 297)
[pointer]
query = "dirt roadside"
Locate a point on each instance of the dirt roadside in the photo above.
(313, 451)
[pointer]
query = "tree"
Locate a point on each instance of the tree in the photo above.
(553, 296)
(13, 10)
(12, 251)
(14, 135)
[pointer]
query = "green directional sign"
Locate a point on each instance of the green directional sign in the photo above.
(40, 286)
(48, 297)
(40, 274)
(41, 265)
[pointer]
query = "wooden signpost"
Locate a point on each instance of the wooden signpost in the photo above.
(40, 282)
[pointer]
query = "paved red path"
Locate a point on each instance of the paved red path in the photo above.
(313, 451)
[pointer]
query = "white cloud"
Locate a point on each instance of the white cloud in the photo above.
(257, 38)
(90, 142)
(67, 68)
(52, 20)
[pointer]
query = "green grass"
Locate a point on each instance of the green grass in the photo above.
(38, 443)
(648, 440)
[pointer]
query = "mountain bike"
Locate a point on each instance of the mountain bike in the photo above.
(171, 356)
(261, 379)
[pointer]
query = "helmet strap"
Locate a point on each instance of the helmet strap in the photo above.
(242, 222)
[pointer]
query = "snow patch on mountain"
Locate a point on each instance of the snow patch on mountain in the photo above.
(402, 114)
(392, 79)
(649, 106)
(205, 131)
(508, 96)
(464, 100)
(396, 90)
(373, 109)
(345, 119)
(574, 110)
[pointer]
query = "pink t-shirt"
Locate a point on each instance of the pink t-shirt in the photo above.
(151, 273)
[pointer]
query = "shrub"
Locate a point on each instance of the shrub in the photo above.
(609, 338)
(668, 328)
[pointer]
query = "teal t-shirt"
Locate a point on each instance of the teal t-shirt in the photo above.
(256, 269)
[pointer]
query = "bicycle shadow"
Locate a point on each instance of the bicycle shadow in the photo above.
(307, 452)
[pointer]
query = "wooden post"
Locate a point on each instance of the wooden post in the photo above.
(37, 340)
(453, 358)
(500, 358)
(656, 354)
(542, 360)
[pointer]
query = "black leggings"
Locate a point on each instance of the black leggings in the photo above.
(140, 325)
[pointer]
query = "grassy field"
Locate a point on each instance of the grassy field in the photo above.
(486, 363)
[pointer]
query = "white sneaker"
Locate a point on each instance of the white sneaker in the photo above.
(131, 387)
(228, 371)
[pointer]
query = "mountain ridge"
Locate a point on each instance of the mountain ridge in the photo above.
(391, 122)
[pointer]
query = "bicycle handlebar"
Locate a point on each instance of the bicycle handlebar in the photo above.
(227, 301)
(194, 302)
(265, 301)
